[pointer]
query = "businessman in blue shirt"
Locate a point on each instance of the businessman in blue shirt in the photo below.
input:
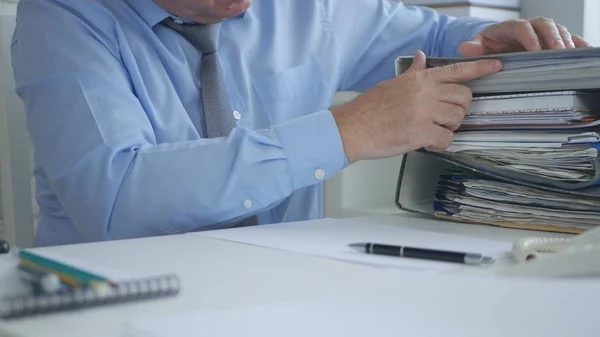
(121, 104)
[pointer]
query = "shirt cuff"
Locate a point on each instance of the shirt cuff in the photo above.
(314, 148)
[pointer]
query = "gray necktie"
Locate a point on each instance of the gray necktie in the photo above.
(218, 114)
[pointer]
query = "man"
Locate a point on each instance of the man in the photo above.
(146, 124)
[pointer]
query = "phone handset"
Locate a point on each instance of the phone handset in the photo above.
(575, 256)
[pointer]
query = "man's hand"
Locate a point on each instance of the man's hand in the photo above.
(418, 109)
(521, 35)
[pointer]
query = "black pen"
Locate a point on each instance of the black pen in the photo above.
(422, 253)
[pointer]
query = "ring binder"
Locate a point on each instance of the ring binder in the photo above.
(123, 291)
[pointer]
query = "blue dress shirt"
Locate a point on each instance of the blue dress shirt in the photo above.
(114, 110)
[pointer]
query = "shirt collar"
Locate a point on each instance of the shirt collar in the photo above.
(152, 13)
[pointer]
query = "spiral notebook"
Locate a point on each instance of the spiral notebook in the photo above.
(20, 301)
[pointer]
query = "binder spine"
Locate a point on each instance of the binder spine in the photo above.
(125, 291)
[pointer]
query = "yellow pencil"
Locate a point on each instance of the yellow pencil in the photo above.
(66, 279)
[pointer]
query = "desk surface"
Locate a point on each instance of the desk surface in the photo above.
(215, 274)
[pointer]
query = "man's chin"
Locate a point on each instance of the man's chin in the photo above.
(236, 8)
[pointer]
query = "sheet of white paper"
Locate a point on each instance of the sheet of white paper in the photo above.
(592, 217)
(526, 137)
(483, 146)
(575, 152)
(330, 238)
(512, 193)
(402, 304)
(576, 163)
(568, 175)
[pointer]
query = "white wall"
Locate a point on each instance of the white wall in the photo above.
(582, 17)
(591, 27)
(566, 12)
(15, 146)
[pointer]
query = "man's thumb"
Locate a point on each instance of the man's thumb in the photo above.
(419, 62)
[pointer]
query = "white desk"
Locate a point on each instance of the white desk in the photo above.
(214, 274)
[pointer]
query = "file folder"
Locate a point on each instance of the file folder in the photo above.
(418, 185)
(527, 154)
(546, 70)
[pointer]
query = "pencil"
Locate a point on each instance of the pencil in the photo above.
(66, 279)
(42, 282)
(61, 268)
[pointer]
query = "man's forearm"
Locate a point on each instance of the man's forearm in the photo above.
(177, 188)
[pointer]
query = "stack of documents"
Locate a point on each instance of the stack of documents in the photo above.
(527, 154)
(572, 161)
(539, 110)
(554, 141)
(464, 195)
(536, 179)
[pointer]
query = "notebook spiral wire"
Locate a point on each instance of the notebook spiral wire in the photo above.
(124, 291)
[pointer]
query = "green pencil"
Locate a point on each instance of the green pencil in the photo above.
(84, 277)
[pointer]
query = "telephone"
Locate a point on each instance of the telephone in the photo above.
(578, 256)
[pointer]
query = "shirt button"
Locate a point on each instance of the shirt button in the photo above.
(319, 174)
(247, 203)
(237, 115)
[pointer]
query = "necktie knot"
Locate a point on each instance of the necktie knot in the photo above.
(204, 37)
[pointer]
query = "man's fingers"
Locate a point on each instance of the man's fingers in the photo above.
(526, 35)
(580, 42)
(419, 62)
(449, 115)
(465, 71)
(548, 33)
(457, 94)
(566, 36)
(439, 139)
(472, 48)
